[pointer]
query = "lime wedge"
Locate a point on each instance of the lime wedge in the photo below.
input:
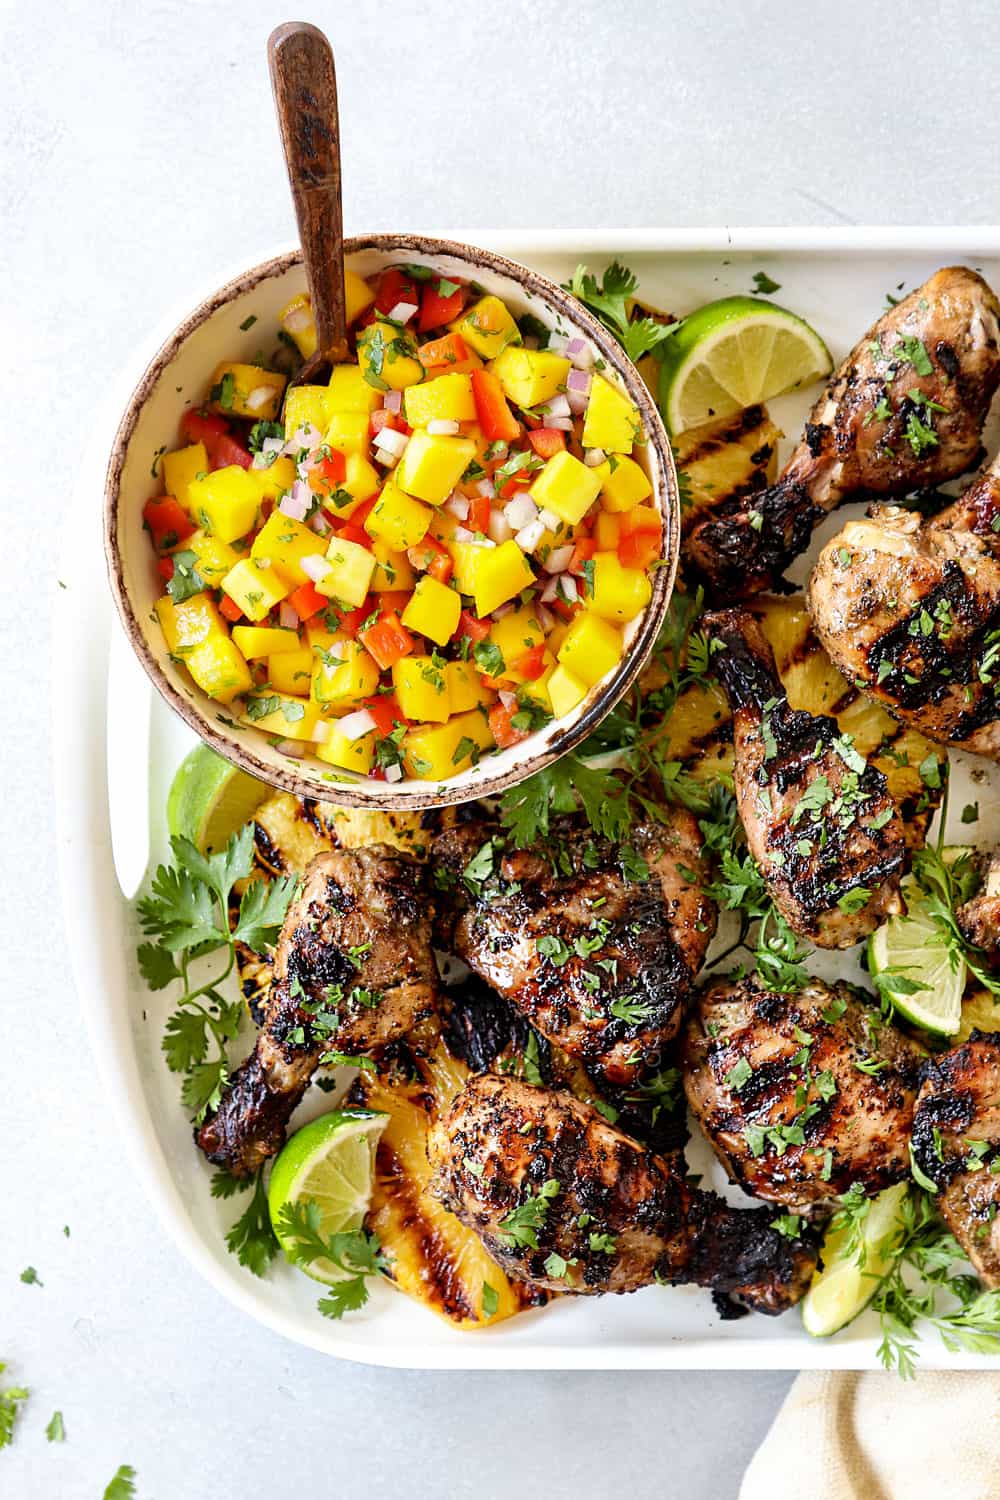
(330, 1162)
(914, 947)
(733, 353)
(849, 1278)
(210, 800)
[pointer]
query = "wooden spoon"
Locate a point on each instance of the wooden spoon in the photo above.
(304, 83)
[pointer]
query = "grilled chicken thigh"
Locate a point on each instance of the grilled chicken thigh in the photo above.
(910, 611)
(599, 960)
(354, 970)
(904, 411)
(800, 1094)
(979, 918)
(819, 820)
(562, 1199)
(956, 1143)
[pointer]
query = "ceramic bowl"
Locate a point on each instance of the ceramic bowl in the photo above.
(176, 378)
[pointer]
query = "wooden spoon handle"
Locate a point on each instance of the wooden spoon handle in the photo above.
(304, 83)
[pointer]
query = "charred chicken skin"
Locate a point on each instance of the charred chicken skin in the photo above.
(956, 1143)
(565, 1200)
(820, 821)
(910, 611)
(800, 1094)
(930, 365)
(354, 970)
(600, 954)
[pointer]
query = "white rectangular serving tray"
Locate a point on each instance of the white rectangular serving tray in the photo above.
(116, 746)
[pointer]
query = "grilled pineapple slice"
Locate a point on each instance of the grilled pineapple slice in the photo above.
(733, 456)
(431, 1256)
(698, 731)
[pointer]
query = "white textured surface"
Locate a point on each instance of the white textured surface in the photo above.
(139, 155)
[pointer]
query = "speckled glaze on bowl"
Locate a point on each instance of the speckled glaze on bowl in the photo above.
(176, 378)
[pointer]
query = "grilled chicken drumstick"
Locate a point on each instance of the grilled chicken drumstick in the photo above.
(800, 1094)
(956, 1143)
(904, 411)
(820, 822)
(979, 918)
(910, 611)
(562, 1199)
(601, 961)
(354, 970)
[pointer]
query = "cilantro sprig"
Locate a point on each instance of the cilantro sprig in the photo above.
(354, 1252)
(609, 299)
(12, 1397)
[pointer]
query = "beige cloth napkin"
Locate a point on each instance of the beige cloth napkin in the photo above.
(849, 1436)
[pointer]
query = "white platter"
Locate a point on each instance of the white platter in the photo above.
(116, 746)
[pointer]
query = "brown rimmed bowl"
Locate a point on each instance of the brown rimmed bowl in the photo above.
(176, 378)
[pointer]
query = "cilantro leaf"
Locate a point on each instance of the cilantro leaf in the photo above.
(610, 300)
(122, 1485)
(262, 911)
(55, 1429)
(252, 1239)
(157, 965)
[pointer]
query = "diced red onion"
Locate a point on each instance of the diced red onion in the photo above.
(287, 616)
(457, 505)
(545, 618)
(558, 343)
(402, 312)
(560, 424)
(393, 401)
(485, 487)
(392, 441)
(502, 610)
(581, 352)
(557, 407)
(261, 396)
(529, 536)
(299, 318)
(520, 511)
(550, 520)
(551, 590)
(498, 528)
(579, 380)
(442, 427)
(353, 726)
(387, 460)
(558, 559)
(567, 587)
(509, 700)
(306, 436)
(393, 773)
(270, 449)
(593, 457)
(320, 524)
(337, 649)
(463, 534)
(294, 748)
(321, 732)
(290, 506)
(578, 402)
(315, 566)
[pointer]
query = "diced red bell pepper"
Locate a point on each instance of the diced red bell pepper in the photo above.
(382, 418)
(330, 472)
(307, 601)
(165, 568)
(478, 518)
(387, 640)
(393, 601)
(352, 533)
(395, 286)
(547, 441)
(564, 609)
(476, 630)
(531, 665)
(351, 619)
(495, 417)
(502, 729)
(430, 556)
(229, 609)
(167, 522)
(640, 549)
(450, 349)
(386, 712)
(436, 309)
(220, 445)
(583, 550)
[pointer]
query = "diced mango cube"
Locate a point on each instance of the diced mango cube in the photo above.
(591, 648)
(475, 726)
(247, 391)
(255, 586)
(347, 431)
(358, 295)
(625, 484)
(530, 375)
(397, 518)
(431, 466)
(213, 559)
(433, 610)
(466, 557)
(285, 542)
(219, 669)
(501, 573)
(447, 398)
(537, 692)
(359, 484)
(611, 422)
(465, 691)
(640, 518)
(387, 357)
(299, 322)
(306, 410)
(350, 391)
(225, 502)
(188, 624)
(393, 570)
(516, 634)
(274, 480)
(619, 593)
(607, 531)
(488, 327)
(289, 718)
(255, 641)
(565, 691)
(567, 487)
(180, 467)
(434, 754)
(351, 569)
(350, 755)
(196, 634)
(421, 689)
(291, 672)
(343, 675)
